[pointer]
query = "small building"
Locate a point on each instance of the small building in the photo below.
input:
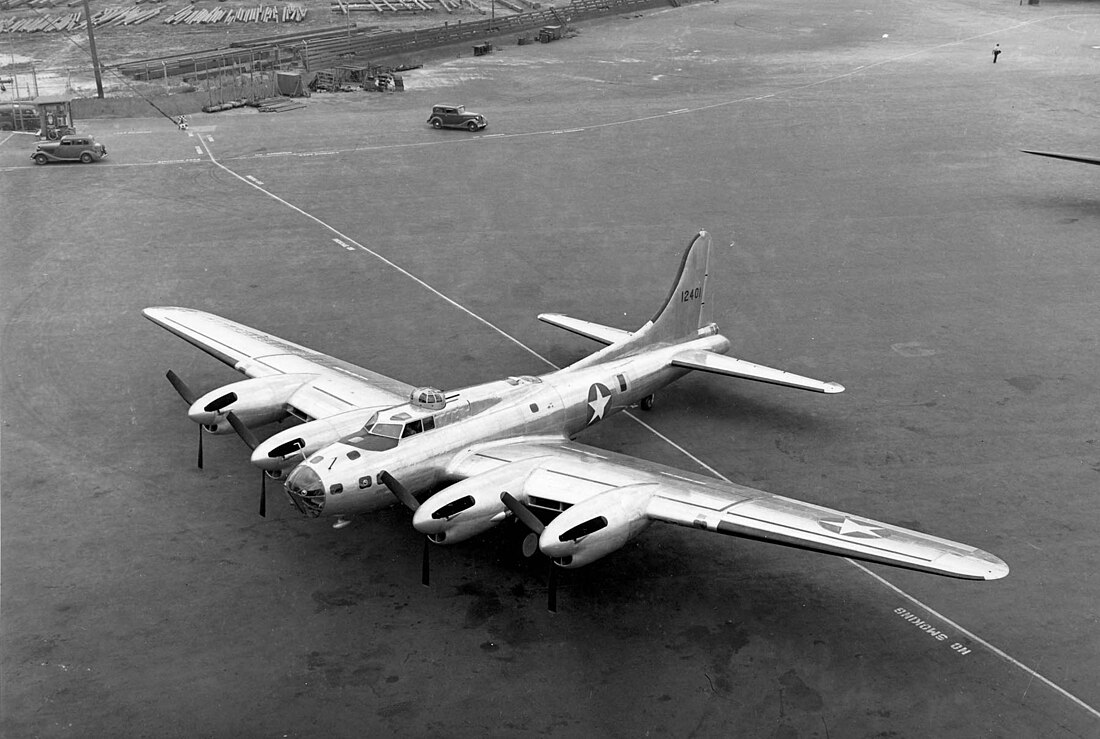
(55, 117)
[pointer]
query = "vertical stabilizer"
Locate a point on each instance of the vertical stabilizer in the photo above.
(686, 308)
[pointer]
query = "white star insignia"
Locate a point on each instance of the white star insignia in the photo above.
(599, 405)
(853, 529)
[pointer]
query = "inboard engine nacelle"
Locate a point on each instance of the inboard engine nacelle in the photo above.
(472, 506)
(291, 446)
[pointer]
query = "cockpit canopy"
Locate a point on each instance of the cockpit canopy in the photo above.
(428, 409)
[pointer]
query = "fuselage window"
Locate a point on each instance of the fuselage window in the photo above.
(412, 427)
(364, 482)
(534, 407)
(622, 383)
(429, 423)
(353, 454)
(316, 459)
(336, 489)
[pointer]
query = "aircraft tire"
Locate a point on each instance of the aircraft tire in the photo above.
(647, 403)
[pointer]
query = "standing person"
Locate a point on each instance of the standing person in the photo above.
(996, 52)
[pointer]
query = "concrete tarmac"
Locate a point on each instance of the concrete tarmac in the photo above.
(886, 234)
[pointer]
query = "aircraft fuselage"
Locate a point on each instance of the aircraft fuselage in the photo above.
(343, 478)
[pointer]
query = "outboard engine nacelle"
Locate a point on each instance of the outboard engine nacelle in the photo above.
(598, 526)
(256, 401)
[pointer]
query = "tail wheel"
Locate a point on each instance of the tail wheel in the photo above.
(647, 403)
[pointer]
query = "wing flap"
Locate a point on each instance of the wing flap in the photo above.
(705, 361)
(587, 329)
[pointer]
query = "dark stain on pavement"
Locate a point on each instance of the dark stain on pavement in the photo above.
(797, 694)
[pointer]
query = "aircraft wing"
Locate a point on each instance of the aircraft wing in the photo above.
(572, 477)
(339, 386)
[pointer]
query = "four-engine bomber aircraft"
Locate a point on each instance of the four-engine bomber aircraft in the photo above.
(506, 448)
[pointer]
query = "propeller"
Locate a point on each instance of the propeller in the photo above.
(531, 544)
(250, 439)
(189, 397)
(402, 494)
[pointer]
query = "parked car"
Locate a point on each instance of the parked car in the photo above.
(18, 117)
(456, 116)
(70, 148)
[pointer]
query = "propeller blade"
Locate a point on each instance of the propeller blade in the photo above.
(263, 494)
(552, 589)
(424, 564)
(189, 397)
(400, 491)
(181, 387)
(242, 431)
(523, 513)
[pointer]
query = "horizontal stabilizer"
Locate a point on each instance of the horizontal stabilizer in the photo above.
(595, 331)
(720, 364)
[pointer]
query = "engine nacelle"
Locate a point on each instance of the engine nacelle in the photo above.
(598, 526)
(472, 506)
(288, 448)
(256, 401)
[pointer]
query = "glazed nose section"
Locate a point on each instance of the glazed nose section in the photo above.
(306, 491)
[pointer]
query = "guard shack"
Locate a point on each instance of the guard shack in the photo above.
(55, 117)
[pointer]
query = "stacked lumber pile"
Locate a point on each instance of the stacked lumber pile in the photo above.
(382, 6)
(189, 15)
(115, 16)
(277, 105)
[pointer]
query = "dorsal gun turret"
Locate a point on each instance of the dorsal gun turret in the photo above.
(428, 398)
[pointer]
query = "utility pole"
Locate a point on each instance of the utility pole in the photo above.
(95, 56)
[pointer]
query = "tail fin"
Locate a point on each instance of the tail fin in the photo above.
(686, 309)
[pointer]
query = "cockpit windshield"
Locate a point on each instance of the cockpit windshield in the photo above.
(388, 430)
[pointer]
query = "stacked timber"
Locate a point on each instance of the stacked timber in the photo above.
(382, 6)
(189, 15)
(114, 16)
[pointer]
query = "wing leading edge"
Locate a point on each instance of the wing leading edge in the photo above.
(575, 475)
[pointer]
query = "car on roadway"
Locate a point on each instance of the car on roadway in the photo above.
(72, 148)
(456, 116)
